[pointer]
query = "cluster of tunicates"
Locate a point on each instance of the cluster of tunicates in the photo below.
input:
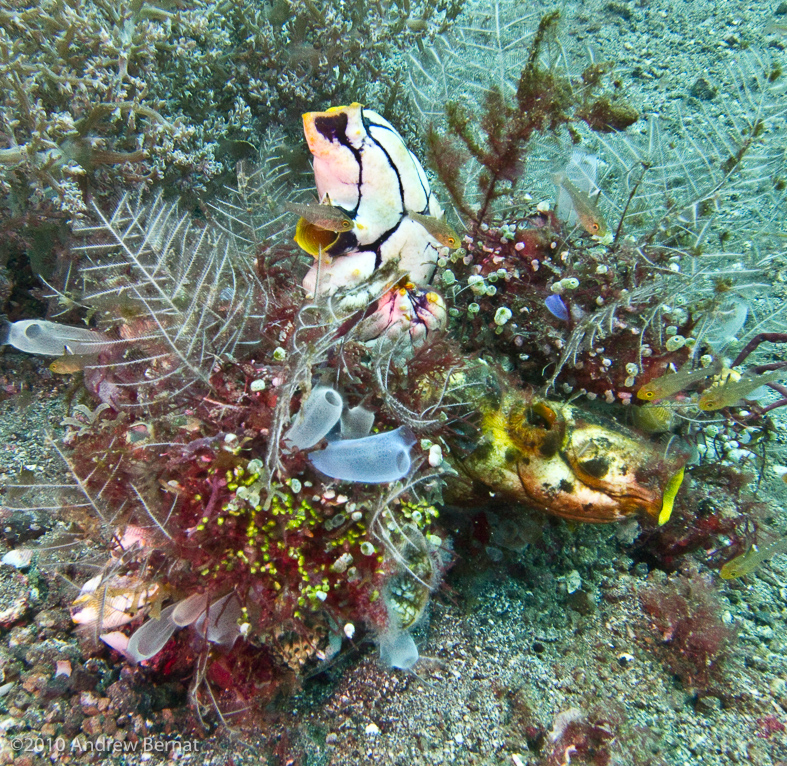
(217, 624)
(356, 455)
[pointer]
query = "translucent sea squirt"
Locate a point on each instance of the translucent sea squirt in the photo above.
(374, 459)
(38, 336)
(318, 415)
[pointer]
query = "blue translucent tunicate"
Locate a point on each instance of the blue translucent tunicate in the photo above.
(357, 422)
(38, 336)
(372, 460)
(318, 415)
(556, 307)
(398, 650)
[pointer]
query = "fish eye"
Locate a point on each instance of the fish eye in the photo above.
(595, 227)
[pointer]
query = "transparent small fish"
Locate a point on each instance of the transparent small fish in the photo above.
(439, 228)
(749, 561)
(730, 391)
(328, 217)
(673, 382)
(588, 214)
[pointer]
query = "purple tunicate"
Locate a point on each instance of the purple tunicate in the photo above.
(556, 307)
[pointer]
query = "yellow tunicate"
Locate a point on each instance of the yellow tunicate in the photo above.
(670, 492)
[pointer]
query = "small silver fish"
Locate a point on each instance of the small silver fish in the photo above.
(732, 389)
(439, 228)
(588, 214)
(328, 217)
